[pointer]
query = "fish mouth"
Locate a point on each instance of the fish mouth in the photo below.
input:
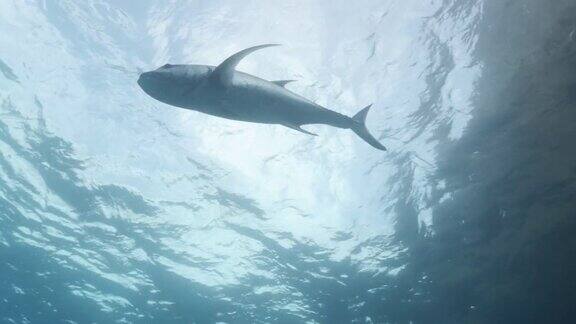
(144, 77)
(146, 81)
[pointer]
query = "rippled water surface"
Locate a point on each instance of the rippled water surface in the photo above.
(115, 208)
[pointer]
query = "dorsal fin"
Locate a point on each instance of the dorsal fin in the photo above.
(223, 72)
(282, 83)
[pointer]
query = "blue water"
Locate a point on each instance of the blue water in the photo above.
(115, 208)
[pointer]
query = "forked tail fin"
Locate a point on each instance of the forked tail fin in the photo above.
(359, 127)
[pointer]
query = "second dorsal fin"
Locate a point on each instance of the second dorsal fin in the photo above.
(282, 83)
(223, 72)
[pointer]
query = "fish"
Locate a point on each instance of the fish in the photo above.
(223, 91)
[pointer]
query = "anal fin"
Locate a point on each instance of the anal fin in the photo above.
(298, 128)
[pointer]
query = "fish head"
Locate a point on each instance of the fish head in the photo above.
(173, 84)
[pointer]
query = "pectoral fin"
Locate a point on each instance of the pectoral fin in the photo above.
(298, 128)
(222, 74)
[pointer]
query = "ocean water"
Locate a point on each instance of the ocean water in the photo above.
(115, 208)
